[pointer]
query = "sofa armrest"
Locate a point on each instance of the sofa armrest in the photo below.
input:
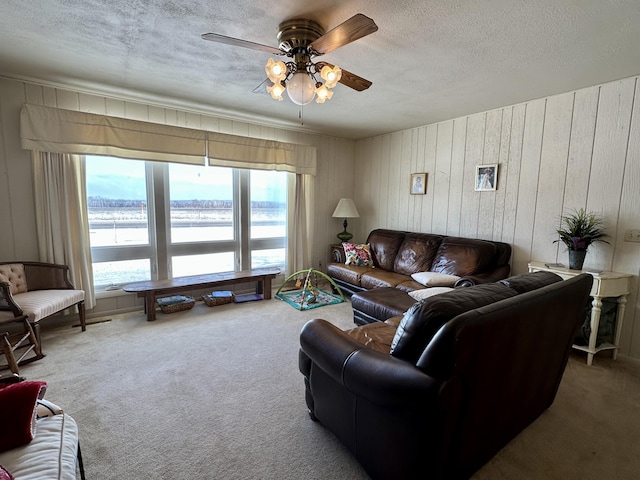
(377, 377)
(494, 275)
(7, 302)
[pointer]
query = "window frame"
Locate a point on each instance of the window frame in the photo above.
(161, 250)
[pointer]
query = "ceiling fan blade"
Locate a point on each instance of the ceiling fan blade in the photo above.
(349, 79)
(349, 31)
(262, 88)
(215, 37)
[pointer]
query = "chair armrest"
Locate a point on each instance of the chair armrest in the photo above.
(494, 275)
(45, 276)
(6, 300)
(367, 373)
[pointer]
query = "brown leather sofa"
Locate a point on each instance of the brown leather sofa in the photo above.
(397, 255)
(463, 373)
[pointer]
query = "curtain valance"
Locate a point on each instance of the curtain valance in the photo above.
(56, 130)
(245, 152)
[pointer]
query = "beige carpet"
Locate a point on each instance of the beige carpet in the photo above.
(215, 393)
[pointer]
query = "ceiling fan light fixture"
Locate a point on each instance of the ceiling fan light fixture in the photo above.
(276, 71)
(323, 93)
(301, 88)
(330, 75)
(276, 90)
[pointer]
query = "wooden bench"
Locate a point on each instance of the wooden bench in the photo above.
(152, 289)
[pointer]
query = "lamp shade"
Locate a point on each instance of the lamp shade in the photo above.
(346, 209)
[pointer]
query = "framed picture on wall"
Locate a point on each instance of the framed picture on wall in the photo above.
(486, 177)
(418, 183)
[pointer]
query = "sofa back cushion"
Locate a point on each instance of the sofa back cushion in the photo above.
(384, 247)
(424, 318)
(416, 253)
(464, 256)
(14, 274)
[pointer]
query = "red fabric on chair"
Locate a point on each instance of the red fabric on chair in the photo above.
(18, 412)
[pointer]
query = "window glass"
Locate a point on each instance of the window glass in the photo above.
(199, 231)
(201, 203)
(274, 257)
(268, 204)
(116, 202)
(121, 272)
(200, 264)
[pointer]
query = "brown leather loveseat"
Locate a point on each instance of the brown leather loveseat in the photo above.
(462, 374)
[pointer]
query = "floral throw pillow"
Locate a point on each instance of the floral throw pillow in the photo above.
(358, 254)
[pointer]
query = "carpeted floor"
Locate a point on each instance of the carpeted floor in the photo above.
(215, 393)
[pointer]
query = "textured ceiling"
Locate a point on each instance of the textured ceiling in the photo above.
(430, 60)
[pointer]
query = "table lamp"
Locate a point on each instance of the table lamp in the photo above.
(345, 209)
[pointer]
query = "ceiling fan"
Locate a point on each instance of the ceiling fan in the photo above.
(302, 39)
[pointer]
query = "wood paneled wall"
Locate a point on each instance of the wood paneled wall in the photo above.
(555, 154)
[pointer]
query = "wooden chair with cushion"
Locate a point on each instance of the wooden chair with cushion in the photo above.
(29, 293)
(25, 341)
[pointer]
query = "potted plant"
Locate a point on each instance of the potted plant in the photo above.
(579, 230)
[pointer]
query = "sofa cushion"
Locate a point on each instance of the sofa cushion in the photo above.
(384, 247)
(425, 318)
(18, 413)
(381, 303)
(435, 279)
(347, 273)
(357, 254)
(13, 273)
(409, 285)
(378, 335)
(378, 278)
(416, 253)
(51, 453)
(428, 292)
(463, 256)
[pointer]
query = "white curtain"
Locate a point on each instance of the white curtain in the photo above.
(62, 224)
(300, 224)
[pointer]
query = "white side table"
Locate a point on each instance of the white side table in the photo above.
(605, 285)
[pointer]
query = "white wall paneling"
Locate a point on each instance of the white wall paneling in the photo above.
(555, 154)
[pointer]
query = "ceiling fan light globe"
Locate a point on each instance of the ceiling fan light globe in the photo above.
(276, 90)
(331, 75)
(301, 88)
(276, 71)
(323, 93)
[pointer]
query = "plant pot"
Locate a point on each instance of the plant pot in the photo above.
(576, 259)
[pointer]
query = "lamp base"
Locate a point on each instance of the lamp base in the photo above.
(345, 236)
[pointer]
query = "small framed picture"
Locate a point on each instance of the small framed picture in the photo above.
(486, 177)
(418, 183)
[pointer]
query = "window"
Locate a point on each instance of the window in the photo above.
(151, 220)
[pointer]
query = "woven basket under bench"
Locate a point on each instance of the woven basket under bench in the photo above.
(217, 298)
(177, 303)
